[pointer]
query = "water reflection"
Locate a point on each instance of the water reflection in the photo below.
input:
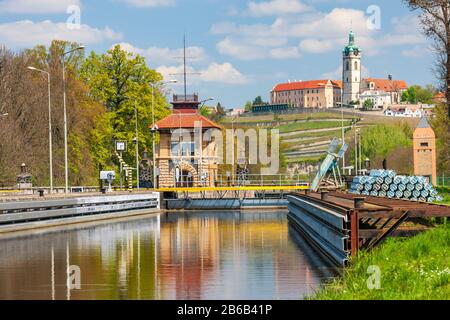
(201, 255)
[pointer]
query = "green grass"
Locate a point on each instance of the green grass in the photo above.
(411, 269)
(325, 134)
(300, 116)
(445, 193)
(298, 126)
(304, 144)
(306, 159)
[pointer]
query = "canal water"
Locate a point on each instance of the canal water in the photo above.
(195, 255)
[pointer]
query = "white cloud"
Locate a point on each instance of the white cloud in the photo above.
(316, 46)
(257, 48)
(285, 53)
(36, 7)
(416, 52)
(276, 7)
(149, 3)
(215, 73)
(27, 33)
(318, 32)
(223, 73)
(242, 51)
(160, 56)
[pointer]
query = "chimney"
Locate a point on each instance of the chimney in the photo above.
(390, 77)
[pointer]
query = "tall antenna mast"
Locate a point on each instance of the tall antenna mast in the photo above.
(184, 62)
(185, 73)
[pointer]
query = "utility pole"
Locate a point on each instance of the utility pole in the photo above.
(66, 162)
(137, 144)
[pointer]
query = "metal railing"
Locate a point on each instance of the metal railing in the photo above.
(443, 180)
(278, 180)
(185, 98)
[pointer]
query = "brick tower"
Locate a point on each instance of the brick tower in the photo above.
(425, 151)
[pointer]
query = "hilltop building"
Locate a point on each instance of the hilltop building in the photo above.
(354, 89)
(424, 142)
(183, 161)
(439, 98)
(389, 88)
(307, 94)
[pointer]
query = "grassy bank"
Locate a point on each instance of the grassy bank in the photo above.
(414, 268)
(300, 126)
(445, 193)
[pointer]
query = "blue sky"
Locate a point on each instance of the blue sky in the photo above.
(241, 48)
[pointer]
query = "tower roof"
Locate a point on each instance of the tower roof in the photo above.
(423, 123)
(352, 46)
(185, 121)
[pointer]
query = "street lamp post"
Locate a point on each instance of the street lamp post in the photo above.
(50, 143)
(137, 145)
(66, 164)
(232, 149)
(154, 129)
(201, 144)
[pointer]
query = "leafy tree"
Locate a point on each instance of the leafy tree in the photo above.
(368, 105)
(435, 20)
(410, 95)
(441, 126)
(218, 114)
(205, 111)
(417, 94)
(258, 101)
(380, 140)
(425, 95)
(121, 82)
(248, 106)
(27, 123)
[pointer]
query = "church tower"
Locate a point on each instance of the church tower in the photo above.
(351, 75)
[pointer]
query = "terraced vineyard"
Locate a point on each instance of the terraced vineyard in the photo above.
(305, 137)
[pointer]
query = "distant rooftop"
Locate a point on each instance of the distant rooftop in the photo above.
(302, 85)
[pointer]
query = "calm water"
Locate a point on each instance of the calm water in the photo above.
(176, 256)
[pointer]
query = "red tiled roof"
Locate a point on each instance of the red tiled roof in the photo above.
(312, 84)
(337, 83)
(439, 95)
(185, 120)
(388, 85)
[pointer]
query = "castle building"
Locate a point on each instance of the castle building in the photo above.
(307, 94)
(351, 90)
(351, 76)
(424, 142)
(183, 160)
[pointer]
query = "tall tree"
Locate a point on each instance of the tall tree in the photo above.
(258, 101)
(24, 95)
(435, 20)
(122, 82)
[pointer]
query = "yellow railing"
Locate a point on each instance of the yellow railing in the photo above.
(245, 188)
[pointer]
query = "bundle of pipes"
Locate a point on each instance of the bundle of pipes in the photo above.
(386, 183)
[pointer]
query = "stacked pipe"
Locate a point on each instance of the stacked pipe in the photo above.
(387, 184)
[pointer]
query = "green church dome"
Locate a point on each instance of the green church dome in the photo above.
(352, 47)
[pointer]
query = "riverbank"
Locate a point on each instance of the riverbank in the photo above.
(411, 269)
